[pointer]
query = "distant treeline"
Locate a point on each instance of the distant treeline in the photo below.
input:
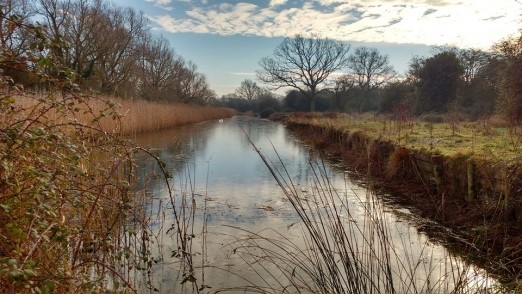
(468, 83)
(103, 48)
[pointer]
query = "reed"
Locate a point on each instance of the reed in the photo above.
(341, 254)
(128, 117)
(144, 116)
(69, 220)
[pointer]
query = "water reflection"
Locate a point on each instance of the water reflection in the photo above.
(234, 193)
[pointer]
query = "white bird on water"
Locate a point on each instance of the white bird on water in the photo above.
(221, 120)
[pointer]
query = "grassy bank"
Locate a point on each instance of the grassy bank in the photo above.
(466, 176)
(488, 139)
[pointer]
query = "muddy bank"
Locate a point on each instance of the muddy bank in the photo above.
(481, 203)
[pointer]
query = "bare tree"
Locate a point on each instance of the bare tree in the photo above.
(303, 63)
(122, 32)
(157, 69)
(16, 39)
(510, 84)
(96, 40)
(248, 90)
(191, 86)
(111, 50)
(80, 32)
(472, 60)
(55, 13)
(341, 89)
(370, 68)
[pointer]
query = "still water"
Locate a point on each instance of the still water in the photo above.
(227, 200)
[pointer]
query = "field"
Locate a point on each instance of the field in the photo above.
(489, 139)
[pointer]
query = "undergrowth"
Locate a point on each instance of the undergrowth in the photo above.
(68, 214)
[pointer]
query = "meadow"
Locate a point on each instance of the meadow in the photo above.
(492, 138)
(464, 175)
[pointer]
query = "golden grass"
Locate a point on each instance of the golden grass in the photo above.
(143, 116)
(486, 139)
(134, 116)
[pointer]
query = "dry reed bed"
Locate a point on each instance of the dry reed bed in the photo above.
(143, 116)
(129, 117)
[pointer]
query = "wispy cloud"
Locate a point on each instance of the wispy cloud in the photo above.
(243, 73)
(466, 23)
(164, 4)
(159, 2)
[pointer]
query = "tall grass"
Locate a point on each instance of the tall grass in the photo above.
(341, 253)
(65, 198)
(69, 218)
(143, 116)
(129, 117)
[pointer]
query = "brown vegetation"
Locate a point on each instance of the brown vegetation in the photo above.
(143, 116)
(69, 219)
(130, 117)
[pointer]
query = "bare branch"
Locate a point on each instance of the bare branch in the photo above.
(303, 63)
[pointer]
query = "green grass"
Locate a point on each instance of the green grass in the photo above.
(484, 140)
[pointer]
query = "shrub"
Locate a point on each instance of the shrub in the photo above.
(266, 112)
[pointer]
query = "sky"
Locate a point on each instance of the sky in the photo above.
(226, 39)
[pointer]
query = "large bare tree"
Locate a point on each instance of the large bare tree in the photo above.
(118, 43)
(370, 68)
(248, 90)
(190, 86)
(15, 40)
(304, 63)
(105, 47)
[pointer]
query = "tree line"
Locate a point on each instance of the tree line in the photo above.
(103, 48)
(325, 75)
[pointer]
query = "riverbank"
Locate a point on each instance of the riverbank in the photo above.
(458, 175)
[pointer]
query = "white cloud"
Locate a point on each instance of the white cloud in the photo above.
(164, 4)
(274, 3)
(160, 2)
(465, 23)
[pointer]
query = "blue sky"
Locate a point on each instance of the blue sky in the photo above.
(226, 39)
